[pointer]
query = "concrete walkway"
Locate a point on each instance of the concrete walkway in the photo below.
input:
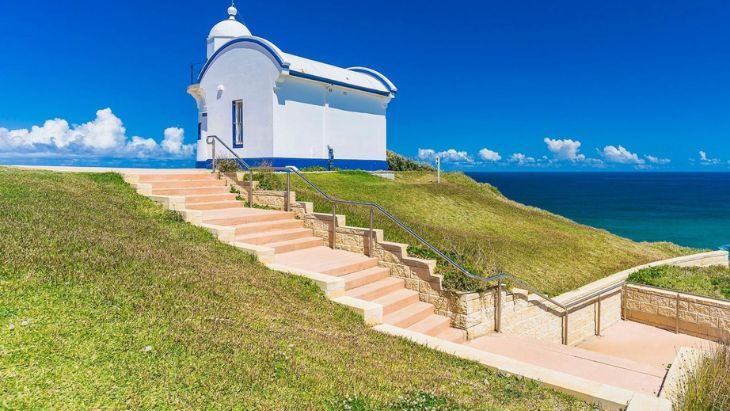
(642, 343)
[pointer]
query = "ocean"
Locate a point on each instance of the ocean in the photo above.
(690, 209)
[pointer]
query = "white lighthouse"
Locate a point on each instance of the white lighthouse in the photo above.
(274, 107)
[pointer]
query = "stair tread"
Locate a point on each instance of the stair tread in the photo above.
(364, 277)
(364, 273)
(249, 213)
(347, 265)
(429, 323)
(376, 285)
(395, 296)
(408, 312)
(266, 233)
(452, 334)
(294, 241)
(205, 198)
(264, 224)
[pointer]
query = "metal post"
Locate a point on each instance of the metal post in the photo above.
(370, 235)
(498, 307)
(250, 188)
(288, 191)
(623, 300)
(598, 315)
(676, 330)
(565, 328)
(212, 158)
(438, 170)
(334, 225)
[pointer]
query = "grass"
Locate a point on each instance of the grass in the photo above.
(707, 386)
(708, 281)
(108, 301)
(486, 231)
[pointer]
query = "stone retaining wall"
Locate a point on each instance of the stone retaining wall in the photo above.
(699, 316)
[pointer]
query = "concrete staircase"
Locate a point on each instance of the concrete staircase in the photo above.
(205, 200)
(296, 247)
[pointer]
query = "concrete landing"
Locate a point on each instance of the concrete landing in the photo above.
(611, 370)
(642, 343)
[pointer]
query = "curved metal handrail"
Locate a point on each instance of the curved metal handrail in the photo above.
(565, 307)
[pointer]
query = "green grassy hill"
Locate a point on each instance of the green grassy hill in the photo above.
(109, 302)
(485, 230)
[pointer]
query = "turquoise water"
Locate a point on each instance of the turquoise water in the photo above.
(691, 209)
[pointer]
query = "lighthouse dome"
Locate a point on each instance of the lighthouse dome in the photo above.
(229, 28)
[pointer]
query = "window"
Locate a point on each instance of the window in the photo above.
(202, 125)
(237, 114)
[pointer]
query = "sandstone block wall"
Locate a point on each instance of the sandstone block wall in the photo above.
(698, 316)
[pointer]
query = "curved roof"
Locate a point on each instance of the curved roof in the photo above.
(229, 28)
(358, 78)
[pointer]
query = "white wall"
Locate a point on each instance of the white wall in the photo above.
(248, 74)
(308, 117)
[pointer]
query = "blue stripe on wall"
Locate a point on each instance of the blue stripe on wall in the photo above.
(344, 164)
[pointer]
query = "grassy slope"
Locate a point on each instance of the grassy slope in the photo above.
(710, 281)
(488, 231)
(99, 273)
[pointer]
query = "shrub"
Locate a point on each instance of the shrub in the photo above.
(227, 165)
(711, 281)
(313, 168)
(707, 386)
(397, 162)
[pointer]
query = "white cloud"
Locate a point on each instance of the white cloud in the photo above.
(620, 155)
(105, 135)
(565, 149)
(707, 161)
(173, 142)
(450, 155)
(657, 160)
(521, 159)
(489, 155)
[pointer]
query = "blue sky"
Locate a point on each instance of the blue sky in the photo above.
(639, 84)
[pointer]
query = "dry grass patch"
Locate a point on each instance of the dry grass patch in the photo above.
(707, 387)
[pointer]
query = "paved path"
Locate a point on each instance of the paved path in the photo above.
(642, 343)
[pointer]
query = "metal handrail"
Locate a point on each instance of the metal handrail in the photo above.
(211, 141)
(374, 206)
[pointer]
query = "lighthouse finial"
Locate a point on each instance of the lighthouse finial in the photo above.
(232, 11)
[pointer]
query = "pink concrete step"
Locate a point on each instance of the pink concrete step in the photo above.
(432, 325)
(175, 177)
(452, 334)
(354, 264)
(377, 289)
(297, 244)
(409, 315)
(360, 278)
(251, 216)
(191, 191)
(219, 205)
(397, 300)
(250, 228)
(185, 184)
(320, 259)
(209, 198)
(273, 236)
